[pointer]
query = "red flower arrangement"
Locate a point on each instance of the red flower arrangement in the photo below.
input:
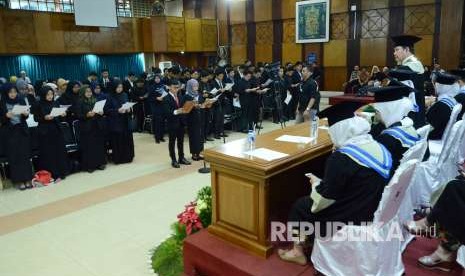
(190, 219)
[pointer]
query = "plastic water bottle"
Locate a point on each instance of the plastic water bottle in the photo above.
(251, 139)
(314, 121)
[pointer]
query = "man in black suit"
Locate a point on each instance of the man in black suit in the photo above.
(92, 79)
(176, 123)
(218, 112)
(128, 84)
(105, 82)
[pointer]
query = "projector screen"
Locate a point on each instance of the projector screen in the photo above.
(99, 13)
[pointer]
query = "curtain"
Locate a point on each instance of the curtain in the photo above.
(70, 67)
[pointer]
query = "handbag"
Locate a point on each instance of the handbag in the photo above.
(43, 178)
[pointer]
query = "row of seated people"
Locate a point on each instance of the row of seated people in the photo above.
(368, 151)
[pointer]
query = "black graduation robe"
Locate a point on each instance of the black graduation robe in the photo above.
(449, 210)
(355, 189)
(218, 110)
(438, 116)
(460, 98)
(16, 140)
(394, 145)
(120, 136)
(52, 150)
(157, 110)
(206, 87)
(91, 139)
(195, 125)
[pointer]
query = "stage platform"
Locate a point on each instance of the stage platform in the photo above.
(208, 255)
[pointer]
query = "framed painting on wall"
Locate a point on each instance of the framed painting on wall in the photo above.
(312, 21)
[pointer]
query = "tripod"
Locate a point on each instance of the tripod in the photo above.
(278, 108)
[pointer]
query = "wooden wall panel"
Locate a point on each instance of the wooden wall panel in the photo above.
(315, 48)
(123, 37)
(237, 11)
(194, 37)
(176, 34)
(292, 52)
(375, 4)
(424, 49)
(263, 53)
(2, 36)
(208, 9)
(335, 53)
(238, 54)
(338, 6)
(419, 2)
(48, 41)
(101, 42)
(147, 40)
(262, 10)
(334, 78)
(288, 9)
(209, 35)
(289, 31)
(264, 33)
(222, 9)
(159, 34)
(239, 34)
(18, 28)
(451, 26)
(372, 51)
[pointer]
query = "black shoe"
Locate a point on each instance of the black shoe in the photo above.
(210, 139)
(217, 137)
(244, 131)
(175, 165)
(29, 185)
(184, 161)
(259, 127)
(90, 171)
(157, 141)
(162, 140)
(22, 187)
(101, 167)
(224, 135)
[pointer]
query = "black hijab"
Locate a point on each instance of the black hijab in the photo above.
(122, 97)
(6, 88)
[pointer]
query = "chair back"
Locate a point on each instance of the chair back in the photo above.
(416, 152)
(423, 131)
(453, 118)
(394, 193)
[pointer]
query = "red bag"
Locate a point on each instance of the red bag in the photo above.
(44, 177)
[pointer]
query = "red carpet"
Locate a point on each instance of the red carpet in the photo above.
(205, 254)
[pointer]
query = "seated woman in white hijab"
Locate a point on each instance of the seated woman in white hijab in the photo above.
(438, 114)
(355, 176)
(392, 106)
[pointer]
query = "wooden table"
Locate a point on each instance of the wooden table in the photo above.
(248, 193)
(350, 98)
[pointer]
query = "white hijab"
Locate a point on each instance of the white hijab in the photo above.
(350, 131)
(447, 90)
(411, 96)
(394, 111)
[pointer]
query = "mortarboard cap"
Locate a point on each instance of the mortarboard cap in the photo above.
(339, 112)
(391, 93)
(405, 40)
(444, 78)
(402, 73)
(459, 73)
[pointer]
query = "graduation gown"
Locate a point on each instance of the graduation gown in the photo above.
(449, 210)
(157, 110)
(415, 64)
(217, 109)
(398, 139)
(205, 87)
(354, 190)
(16, 140)
(72, 100)
(91, 138)
(52, 149)
(120, 136)
(460, 98)
(253, 103)
(438, 116)
(195, 125)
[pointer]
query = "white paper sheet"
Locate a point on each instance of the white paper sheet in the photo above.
(128, 105)
(98, 106)
(31, 122)
(323, 127)
(288, 98)
(214, 91)
(229, 86)
(236, 103)
(295, 139)
(266, 154)
(65, 106)
(164, 94)
(58, 111)
(20, 109)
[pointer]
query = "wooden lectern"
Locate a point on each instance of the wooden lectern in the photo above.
(248, 193)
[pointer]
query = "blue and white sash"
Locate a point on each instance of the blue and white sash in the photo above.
(450, 102)
(368, 160)
(401, 135)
